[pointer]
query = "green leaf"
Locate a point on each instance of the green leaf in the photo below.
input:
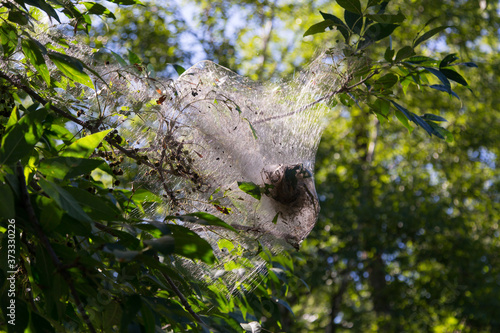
(405, 52)
(133, 58)
(32, 52)
(85, 146)
(389, 54)
(387, 81)
(96, 206)
(64, 200)
(148, 318)
(382, 107)
(428, 35)
(351, 5)
(45, 7)
(179, 69)
(354, 21)
(443, 133)
(285, 305)
(120, 60)
(422, 60)
(18, 17)
(275, 219)
(433, 117)
(416, 119)
(318, 28)
(165, 244)
(98, 9)
(71, 67)
(126, 2)
(454, 76)
(21, 137)
(250, 189)
(335, 21)
(63, 167)
(404, 120)
(440, 76)
(190, 245)
(386, 18)
(444, 88)
(8, 35)
(50, 213)
(254, 133)
(345, 99)
(448, 60)
(209, 219)
(376, 32)
(467, 64)
(379, 31)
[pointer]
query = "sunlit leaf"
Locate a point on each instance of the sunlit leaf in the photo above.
(133, 58)
(8, 36)
(71, 67)
(179, 69)
(422, 60)
(439, 75)
(188, 244)
(21, 137)
(67, 167)
(209, 219)
(250, 189)
(85, 146)
(404, 120)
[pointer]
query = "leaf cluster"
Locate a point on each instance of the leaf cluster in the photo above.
(374, 82)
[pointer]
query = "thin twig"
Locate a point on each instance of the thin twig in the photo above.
(46, 243)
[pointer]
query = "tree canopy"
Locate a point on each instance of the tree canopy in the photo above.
(407, 237)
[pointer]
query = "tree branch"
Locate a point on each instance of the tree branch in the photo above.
(46, 243)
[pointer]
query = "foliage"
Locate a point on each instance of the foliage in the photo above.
(408, 238)
(363, 27)
(87, 259)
